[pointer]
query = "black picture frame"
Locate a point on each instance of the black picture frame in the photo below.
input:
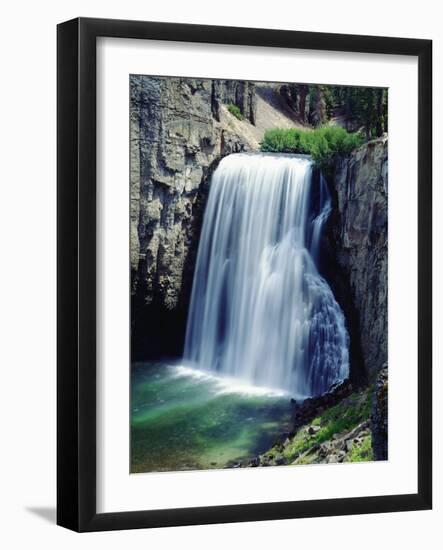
(76, 266)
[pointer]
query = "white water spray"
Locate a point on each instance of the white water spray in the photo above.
(260, 311)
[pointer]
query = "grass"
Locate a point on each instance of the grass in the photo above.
(339, 419)
(235, 110)
(322, 143)
(361, 452)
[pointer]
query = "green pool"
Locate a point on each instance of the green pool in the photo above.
(186, 419)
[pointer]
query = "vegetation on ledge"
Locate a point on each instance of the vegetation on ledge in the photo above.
(321, 143)
(341, 433)
(235, 110)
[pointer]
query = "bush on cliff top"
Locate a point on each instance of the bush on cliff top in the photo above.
(321, 143)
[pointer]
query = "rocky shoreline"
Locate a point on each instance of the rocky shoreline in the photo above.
(343, 425)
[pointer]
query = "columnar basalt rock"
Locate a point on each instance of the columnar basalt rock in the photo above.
(357, 238)
(178, 134)
(240, 93)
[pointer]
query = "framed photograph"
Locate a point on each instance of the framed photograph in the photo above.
(244, 274)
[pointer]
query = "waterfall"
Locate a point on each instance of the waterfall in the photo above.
(260, 311)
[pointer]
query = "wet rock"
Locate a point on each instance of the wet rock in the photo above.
(312, 430)
(305, 411)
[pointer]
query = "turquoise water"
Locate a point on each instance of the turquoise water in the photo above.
(185, 419)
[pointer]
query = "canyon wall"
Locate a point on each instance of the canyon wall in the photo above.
(179, 130)
(357, 236)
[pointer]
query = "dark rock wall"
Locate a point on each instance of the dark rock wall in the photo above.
(379, 416)
(177, 140)
(357, 241)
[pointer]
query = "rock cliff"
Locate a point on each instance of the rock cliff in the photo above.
(379, 416)
(179, 130)
(357, 241)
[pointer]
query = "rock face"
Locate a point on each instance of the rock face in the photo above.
(308, 409)
(379, 416)
(334, 428)
(357, 242)
(235, 92)
(178, 136)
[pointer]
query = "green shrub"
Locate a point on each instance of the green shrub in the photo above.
(235, 110)
(322, 143)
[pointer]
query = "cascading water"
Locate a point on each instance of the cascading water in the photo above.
(260, 311)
